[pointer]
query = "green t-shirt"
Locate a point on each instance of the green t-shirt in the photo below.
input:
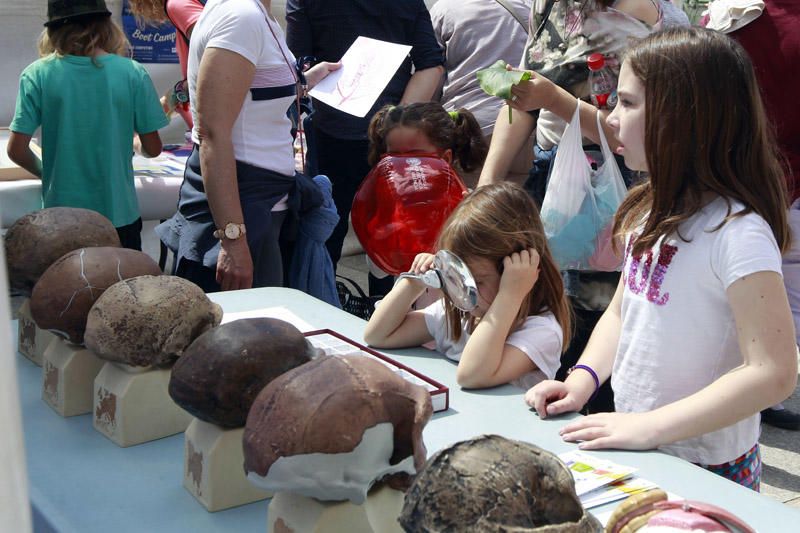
(88, 113)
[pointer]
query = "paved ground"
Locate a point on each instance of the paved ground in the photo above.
(781, 456)
(780, 448)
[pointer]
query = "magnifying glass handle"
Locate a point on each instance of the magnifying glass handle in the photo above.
(430, 278)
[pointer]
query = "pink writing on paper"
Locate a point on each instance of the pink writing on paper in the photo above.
(347, 86)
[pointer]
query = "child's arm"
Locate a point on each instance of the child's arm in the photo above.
(487, 360)
(769, 375)
(394, 324)
(507, 140)
(147, 144)
(555, 397)
(19, 151)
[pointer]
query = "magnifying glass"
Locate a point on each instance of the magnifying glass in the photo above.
(452, 275)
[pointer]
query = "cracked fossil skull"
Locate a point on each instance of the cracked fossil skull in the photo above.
(62, 297)
(149, 320)
(223, 370)
(331, 428)
(38, 239)
(494, 484)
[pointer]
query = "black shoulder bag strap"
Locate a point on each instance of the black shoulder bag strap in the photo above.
(514, 14)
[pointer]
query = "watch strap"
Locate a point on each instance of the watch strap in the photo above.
(220, 233)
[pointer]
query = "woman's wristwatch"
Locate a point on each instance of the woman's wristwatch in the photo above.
(231, 231)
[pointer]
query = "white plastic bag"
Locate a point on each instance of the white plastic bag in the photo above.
(579, 203)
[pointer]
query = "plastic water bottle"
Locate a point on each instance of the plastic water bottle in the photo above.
(602, 83)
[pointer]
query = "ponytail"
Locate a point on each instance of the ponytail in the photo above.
(376, 133)
(469, 144)
(457, 131)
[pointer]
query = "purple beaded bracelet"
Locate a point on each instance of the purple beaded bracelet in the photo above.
(594, 376)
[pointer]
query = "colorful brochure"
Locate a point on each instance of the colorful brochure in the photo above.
(618, 490)
(591, 472)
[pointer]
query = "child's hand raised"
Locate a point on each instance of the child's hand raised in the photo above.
(520, 272)
(422, 263)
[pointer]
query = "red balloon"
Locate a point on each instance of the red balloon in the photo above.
(401, 205)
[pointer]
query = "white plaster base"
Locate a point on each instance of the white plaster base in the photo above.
(31, 340)
(213, 470)
(292, 513)
(132, 406)
(68, 373)
(337, 476)
(383, 506)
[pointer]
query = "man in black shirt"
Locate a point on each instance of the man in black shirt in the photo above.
(325, 29)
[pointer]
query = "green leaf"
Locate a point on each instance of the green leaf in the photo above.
(497, 81)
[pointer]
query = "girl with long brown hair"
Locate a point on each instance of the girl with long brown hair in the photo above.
(521, 324)
(699, 336)
(563, 34)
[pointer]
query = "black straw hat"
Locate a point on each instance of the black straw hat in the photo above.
(63, 11)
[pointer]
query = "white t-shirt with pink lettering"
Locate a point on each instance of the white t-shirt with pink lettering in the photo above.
(678, 331)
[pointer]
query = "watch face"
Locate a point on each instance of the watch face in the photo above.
(232, 231)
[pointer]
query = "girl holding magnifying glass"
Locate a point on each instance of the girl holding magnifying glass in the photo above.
(521, 323)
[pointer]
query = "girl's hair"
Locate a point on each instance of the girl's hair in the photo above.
(84, 37)
(149, 11)
(705, 131)
(457, 131)
(492, 223)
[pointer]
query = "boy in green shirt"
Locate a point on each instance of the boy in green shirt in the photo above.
(89, 102)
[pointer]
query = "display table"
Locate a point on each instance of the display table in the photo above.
(157, 194)
(81, 482)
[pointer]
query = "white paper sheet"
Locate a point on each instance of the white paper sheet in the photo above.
(367, 67)
(281, 313)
